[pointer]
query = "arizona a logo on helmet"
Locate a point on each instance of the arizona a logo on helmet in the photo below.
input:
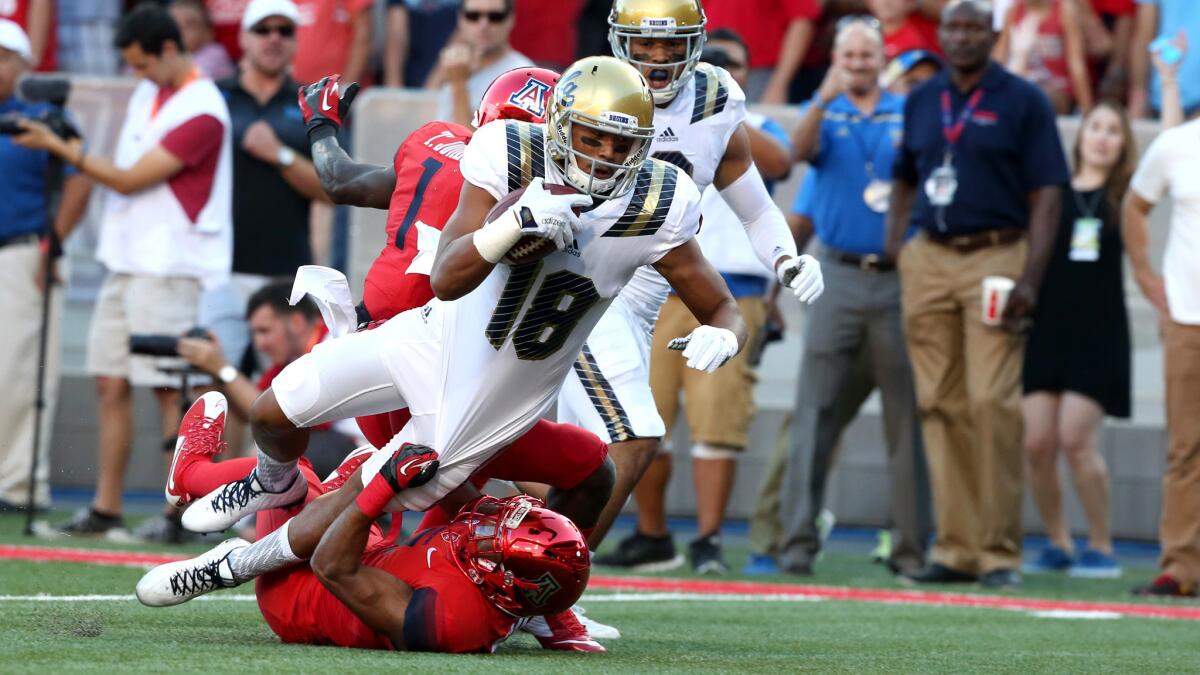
(531, 97)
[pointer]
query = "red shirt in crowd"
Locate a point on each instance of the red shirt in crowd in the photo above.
(1114, 7)
(17, 11)
(761, 23)
(323, 36)
(916, 32)
(226, 17)
(547, 32)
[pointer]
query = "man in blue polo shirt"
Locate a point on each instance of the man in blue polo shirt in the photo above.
(22, 223)
(978, 173)
(849, 135)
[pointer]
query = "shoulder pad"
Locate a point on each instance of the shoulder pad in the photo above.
(525, 145)
(653, 193)
(713, 90)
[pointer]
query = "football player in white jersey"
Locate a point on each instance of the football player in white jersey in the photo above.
(481, 363)
(698, 125)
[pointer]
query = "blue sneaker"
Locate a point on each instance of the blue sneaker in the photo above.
(1051, 559)
(1093, 564)
(760, 565)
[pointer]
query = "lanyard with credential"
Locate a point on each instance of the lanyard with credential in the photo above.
(953, 132)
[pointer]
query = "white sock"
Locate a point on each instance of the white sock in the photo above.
(272, 552)
(274, 475)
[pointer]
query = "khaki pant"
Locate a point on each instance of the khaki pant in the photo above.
(1179, 527)
(21, 307)
(968, 381)
(719, 405)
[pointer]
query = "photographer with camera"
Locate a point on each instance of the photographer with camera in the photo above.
(25, 251)
(282, 333)
(165, 231)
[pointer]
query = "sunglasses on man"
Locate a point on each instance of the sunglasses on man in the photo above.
(473, 16)
(281, 31)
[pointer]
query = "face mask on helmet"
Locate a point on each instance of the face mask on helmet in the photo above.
(526, 559)
(567, 158)
(622, 35)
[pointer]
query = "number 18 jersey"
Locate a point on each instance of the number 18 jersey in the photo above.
(509, 343)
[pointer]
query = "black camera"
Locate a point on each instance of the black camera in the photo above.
(43, 89)
(162, 345)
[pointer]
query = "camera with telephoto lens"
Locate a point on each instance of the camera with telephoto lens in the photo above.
(43, 89)
(162, 345)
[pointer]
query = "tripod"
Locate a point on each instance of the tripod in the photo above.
(54, 183)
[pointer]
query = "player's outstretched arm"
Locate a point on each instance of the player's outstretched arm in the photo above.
(704, 292)
(325, 105)
(349, 182)
(376, 597)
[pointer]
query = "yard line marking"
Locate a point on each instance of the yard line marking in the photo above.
(648, 585)
(1068, 614)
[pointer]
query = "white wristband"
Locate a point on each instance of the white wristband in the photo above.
(495, 239)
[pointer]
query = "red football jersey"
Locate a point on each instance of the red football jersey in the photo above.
(427, 186)
(446, 613)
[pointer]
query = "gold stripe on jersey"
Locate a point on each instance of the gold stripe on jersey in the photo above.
(711, 93)
(525, 144)
(653, 192)
(602, 396)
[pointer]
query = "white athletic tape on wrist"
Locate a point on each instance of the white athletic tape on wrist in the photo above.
(494, 239)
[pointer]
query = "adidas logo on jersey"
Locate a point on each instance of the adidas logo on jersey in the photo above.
(667, 136)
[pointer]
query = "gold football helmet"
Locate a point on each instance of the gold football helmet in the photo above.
(607, 95)
(659, 19)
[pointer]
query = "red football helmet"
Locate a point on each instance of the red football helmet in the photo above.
(519, 94)
(527, 559)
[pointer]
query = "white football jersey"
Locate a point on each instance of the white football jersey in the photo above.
(691, 132)
(510, 342)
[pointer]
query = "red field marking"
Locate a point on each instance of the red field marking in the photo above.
(903, 597)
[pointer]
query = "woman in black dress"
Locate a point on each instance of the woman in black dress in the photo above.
(1077, 358)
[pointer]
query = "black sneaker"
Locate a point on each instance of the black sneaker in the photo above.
(88, 523)
(705, 553)
(1000, 579)
(163, 529)
(643, 553)
(940, 574)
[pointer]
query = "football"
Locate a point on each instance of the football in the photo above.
(528, 248)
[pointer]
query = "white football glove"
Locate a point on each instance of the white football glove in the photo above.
(706, 348)
(803, 276)
(537, 213)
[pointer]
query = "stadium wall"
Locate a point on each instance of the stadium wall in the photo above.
(859, 488)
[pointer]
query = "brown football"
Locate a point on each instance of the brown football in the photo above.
(528, 248)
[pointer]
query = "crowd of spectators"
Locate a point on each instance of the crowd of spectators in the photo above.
(912, 203)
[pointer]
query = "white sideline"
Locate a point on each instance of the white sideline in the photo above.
(589, 598)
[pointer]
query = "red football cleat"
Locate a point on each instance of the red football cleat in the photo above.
(355, 459)
(562, 631)
(199, 436)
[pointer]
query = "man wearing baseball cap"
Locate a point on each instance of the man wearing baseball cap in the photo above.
(23, 217)
(274, 182)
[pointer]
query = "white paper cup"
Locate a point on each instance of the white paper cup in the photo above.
(995, 296)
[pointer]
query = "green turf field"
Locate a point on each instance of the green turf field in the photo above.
(682, 636)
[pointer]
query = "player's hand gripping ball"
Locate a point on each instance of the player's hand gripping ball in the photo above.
(548, 217)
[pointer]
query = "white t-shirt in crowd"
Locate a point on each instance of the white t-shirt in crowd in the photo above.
(479, 81)
(1171, 166)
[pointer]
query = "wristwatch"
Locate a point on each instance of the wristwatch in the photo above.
(227, 374)
(286, 157)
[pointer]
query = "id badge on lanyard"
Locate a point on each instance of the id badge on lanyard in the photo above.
(942, 183)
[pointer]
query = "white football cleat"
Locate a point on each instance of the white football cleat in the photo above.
(178, 582)
(599, 631)
(220, 509)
